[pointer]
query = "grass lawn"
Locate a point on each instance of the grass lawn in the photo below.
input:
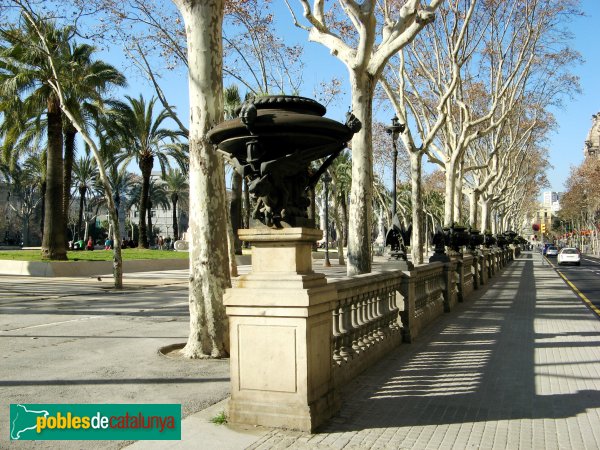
(96, 255)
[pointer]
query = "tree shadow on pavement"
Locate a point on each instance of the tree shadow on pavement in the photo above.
(502, 357)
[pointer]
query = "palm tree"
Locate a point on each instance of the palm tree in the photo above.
(84, 91)
(30, 76)
(85, 176)
(157, 197)
(27, 74)
(144, 140)
(341, 175)
(176, 184)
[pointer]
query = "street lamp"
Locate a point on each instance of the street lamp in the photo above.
(326, 180)
(394, 131)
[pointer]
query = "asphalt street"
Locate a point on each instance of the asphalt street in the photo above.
(584, 279)
(80, 341)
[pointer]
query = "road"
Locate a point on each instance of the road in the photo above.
(80, 341)
(585, 279)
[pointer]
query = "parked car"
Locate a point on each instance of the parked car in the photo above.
(569, 255)
(552, 251)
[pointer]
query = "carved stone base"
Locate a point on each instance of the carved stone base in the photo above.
(280, 325)
(439, 257)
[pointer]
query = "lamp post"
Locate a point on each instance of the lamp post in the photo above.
(326, 180)
(394, 131)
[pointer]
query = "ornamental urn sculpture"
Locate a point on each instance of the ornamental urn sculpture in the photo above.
(396, 239)
(271, 144)
(475, 239)
(457, 237)
(489, 240)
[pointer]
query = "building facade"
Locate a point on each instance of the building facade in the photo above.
(162, 216)
(591, 148)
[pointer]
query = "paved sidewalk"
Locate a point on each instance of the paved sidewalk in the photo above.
(518, 367)
(77, 340)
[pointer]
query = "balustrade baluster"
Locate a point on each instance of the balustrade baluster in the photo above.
(336, 335)
(380, 312)
(368, 328)
(396, 318)
(375, 320)
(365, 321)
(344, 320)
(394, 309)
(355, 324)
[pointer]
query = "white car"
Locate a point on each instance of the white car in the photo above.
(569, 255)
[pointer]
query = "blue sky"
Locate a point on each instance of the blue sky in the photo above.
(575, 119)
(565, 144)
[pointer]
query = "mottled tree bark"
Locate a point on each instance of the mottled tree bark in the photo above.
(209, 274)
(485, 215)
(473, 204)
(416, 240)
(361, 194)
(449, 194)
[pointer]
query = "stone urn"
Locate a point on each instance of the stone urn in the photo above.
(489, 240)
(475, 239)
(272, 143)
(279, 314)
(457, 237)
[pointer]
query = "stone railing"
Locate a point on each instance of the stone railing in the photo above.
(425, 292)
(464, 269)
(375, 312)
(296, 338)
(366, 321)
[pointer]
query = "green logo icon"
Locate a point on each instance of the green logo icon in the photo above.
(95, 422)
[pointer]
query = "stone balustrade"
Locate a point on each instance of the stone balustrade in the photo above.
(375, 312)
(297, 338)
(366, 321)
(426, 292)
(464, 269)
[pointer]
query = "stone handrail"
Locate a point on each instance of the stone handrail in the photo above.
(297, 338)
(365, 321)
(365, 312)
(465, 277)
(424, 295)
(375, 312)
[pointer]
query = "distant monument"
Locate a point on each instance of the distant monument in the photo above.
(591, 147)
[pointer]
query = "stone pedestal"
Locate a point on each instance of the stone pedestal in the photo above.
(450, 281)
(485, 265)
(439, 257)
(281, 330)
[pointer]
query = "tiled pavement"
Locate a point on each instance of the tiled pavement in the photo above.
(515, 367)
